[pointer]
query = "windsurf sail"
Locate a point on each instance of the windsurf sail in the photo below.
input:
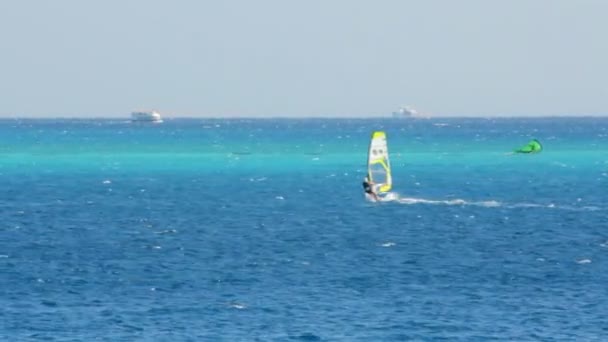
(378, 165)
(533, 146)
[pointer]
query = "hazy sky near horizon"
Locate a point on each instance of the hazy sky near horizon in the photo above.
(303, 58)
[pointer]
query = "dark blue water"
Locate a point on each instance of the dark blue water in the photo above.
(244, 230)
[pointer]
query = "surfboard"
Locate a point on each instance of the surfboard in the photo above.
(378, 164)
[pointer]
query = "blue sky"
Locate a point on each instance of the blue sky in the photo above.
(303, 58)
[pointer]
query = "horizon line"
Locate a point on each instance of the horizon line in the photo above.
(418, 117)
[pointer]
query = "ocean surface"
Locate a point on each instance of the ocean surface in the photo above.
(258, 230)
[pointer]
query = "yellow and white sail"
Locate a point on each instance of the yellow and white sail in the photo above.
(378, 165)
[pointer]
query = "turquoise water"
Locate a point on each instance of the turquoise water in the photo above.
(243, 230)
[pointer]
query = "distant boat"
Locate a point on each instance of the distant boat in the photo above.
(405, 112)
(146, 116)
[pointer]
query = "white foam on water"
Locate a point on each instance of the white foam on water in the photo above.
(583, 261)
(238, 306)
(527, 205)
(395, 197)
(168, 231)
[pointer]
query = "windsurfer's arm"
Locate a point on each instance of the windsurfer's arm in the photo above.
(375, 189)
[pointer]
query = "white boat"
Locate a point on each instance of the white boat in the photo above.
(405, 112)
(146, 116)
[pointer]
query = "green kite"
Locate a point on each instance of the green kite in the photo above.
(533, 146)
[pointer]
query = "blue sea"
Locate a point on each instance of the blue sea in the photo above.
(258, 230)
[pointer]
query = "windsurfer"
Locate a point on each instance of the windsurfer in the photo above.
(368, 187)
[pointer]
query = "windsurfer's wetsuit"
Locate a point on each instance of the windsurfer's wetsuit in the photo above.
(368, 188)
